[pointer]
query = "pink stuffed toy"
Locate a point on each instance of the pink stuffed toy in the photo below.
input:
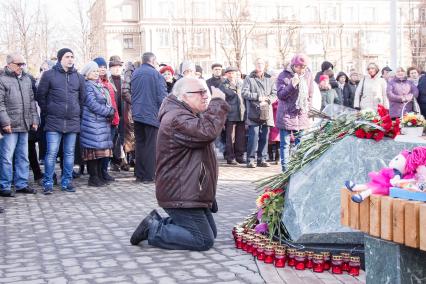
(401, 168)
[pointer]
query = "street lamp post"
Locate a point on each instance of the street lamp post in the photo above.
(393, 33)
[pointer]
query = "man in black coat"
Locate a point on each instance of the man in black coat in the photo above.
(216, 79)
(235, 122)
(59, 95)
(148, 89)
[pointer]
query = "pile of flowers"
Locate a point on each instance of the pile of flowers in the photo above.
(269, 208)
(377, 124)
(412, 119)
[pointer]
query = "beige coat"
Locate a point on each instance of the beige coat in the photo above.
(374, 93)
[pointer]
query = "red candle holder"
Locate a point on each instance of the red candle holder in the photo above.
(327, 260)
(239, 241)
(309, 263)
(336, 264)
(280, 257)
(249, 246)
(318, 261)
(269, 254)
(261, 252)
(244, 243)
(290, 257)
(354, 265)
(300, 259)
(254, 246)
(345, 258)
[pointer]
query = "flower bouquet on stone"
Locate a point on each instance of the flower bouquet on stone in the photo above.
(376, 124)
(269, 209)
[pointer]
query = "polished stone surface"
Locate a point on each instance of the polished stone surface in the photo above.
(388, 262)
(312, 207)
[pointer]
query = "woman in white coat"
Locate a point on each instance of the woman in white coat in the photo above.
(371, 90)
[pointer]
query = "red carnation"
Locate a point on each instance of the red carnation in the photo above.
(413, 122)
(368, 135)
(382, 110)
(379, 135)
(360, 133)
(342, 134)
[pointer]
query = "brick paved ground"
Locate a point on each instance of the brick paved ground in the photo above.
(83, 237)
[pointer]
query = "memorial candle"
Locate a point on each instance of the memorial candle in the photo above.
(354, 265)
(346, 258)
(300, 259)
(280, 257)
(327, 261)
(318, 260)
(260, 251)
(309, 262)
(336, 264)
(290, 256)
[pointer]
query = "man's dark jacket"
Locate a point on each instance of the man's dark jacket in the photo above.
(187, 169)
(17, 105)
(148, 89)
(59, 96)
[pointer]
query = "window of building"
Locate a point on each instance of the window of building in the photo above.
(422, 15)
(198, 40)
(349, 14)
(330, 14)
(126, 12)
(164, 38)
(128, 41)
(261, 41)
(369, 14)
(285, 13)
(164, 9)
(199, 9)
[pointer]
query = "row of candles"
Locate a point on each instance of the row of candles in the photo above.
(272, 252)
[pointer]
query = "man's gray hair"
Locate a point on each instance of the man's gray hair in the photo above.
(180, 87)
(12, 56)
(148, 57)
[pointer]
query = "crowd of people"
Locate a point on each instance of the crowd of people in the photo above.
(104, 117)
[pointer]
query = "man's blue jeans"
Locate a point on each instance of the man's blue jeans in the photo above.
(285, 137)
(185, 229)
(257, 143)
(14, 145)
(53, 140)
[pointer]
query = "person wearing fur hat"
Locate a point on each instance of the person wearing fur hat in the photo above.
(187, 69)
(353, 83)
(118, 161)
(295, 88)
(95, 136)
(199, 72)
(59, 95)
(168, 73)
(371, 91)
(235, 123)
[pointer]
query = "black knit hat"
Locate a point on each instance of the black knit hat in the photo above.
(62, 52)
(216, 65)
(326, 65)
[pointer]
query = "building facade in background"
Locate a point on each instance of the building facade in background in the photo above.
(348, 33)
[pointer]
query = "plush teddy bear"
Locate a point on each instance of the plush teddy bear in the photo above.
(402, 169)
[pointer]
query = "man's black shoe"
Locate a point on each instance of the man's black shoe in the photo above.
(263, 164)
(1, 210)
(232, 162)
(241, 161)
(107, 177)
(27, 190)
(95, 182)
(141, 232)
(8, 193)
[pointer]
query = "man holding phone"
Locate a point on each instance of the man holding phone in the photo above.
(18, 115)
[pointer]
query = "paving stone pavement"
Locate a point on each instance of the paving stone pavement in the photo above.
(83, 237)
